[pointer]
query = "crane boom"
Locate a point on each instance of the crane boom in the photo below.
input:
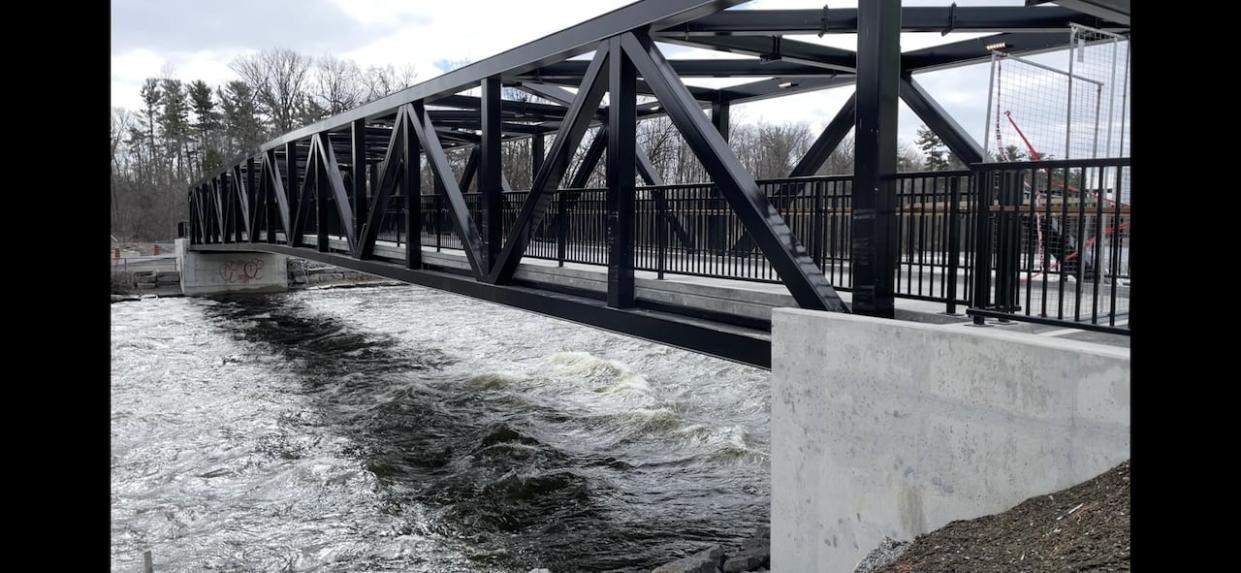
(1034, 155)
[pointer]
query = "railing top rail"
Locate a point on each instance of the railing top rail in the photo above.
(805, 179)
(1053, 163)
(944, 173)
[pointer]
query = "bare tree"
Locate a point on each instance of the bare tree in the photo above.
(338, 85)
(659, 138)
(278, 77)
(381, 81)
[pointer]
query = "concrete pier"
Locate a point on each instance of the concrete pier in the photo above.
(883, 428)
(228, 273)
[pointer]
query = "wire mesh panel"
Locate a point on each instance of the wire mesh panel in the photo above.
(1037, 111)
(1103, 58)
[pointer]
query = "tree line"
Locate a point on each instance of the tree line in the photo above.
(187, 128)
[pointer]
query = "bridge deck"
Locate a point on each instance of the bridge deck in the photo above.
(722, 317)
(729, 300)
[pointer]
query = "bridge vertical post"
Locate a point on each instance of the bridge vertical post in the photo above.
(321, 194)
(291, 185)
(372, 194)
(537, 146)
(490, 187)
(359, 175)
(622, 171)
(208, 207)
(241, 206)
(438, 190)
(269, 196)
(411, 189)
(196, 223)
(719, 117)
(954, 241)
(209, 224)
(193, 220)
(562, 225)
(874, 238)
(984, 185)
(717, 219)
(662, 221)
(252, 199)
(220, 213)
(230, 211)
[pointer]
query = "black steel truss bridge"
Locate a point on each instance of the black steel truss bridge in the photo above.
(348, 190)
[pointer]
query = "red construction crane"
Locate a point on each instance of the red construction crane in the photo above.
(1034, 155)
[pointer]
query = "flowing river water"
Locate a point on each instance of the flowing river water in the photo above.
(407, 429)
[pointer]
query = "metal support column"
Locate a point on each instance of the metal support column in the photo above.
(359, 174)
(273, 208)
(490, 186)
(621, 172)
(717, 219)
(874, 239)
(411, 189)
(321, 194)
(719, 117)
(536, 154)
(252, 201)
(291, 184)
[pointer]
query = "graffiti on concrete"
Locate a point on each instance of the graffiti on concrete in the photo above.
(241, 270)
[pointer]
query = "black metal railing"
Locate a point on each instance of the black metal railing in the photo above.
(689, 229)
(1054, 243)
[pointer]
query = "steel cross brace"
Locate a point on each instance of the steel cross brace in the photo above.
(568, 136)
(787, 256)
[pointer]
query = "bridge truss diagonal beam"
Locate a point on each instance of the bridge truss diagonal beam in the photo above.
(826, 143)
(462, 222)
(218, 201)
(388, 170)
(252, 201)
(329, 169)
(276, 182)
(411, 190)
(940, 121)
(305, 196)
(822, 148)
(568, 136)
(805, 281)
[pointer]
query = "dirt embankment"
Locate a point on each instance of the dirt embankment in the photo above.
(1082, 528)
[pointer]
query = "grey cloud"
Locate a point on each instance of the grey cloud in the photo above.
(305, 25)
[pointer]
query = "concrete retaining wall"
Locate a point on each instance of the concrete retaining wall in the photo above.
(891, 428)
(225, 273)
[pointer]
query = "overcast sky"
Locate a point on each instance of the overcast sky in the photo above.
(193, 40)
